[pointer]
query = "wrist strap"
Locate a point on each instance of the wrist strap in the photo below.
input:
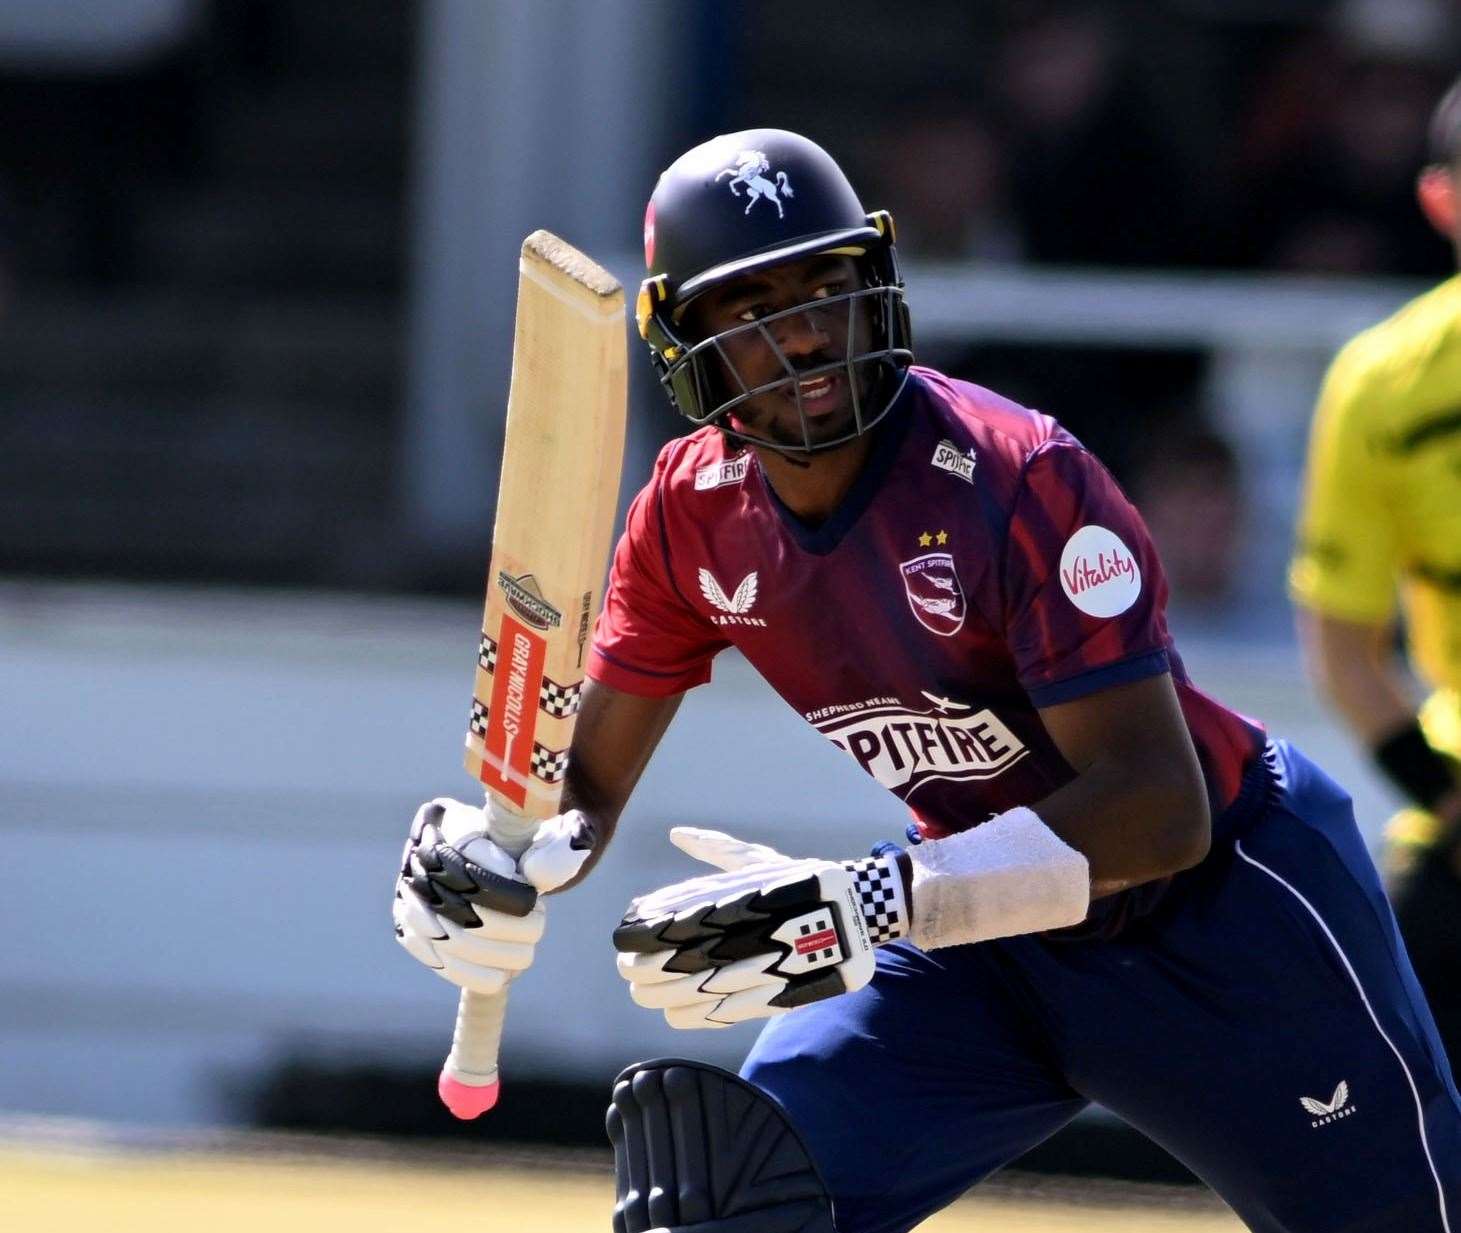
(1009, 875)
(882, 895)
(1413, 765)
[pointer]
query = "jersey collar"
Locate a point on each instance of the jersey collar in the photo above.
(888, 439)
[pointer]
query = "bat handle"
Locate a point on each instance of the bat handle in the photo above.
(468, 1085)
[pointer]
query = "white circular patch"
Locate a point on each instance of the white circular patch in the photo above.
(1098, 573)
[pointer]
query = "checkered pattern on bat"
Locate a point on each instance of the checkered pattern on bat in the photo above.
(879, 894)
(549, 764)
(560, 700)
(557, 700)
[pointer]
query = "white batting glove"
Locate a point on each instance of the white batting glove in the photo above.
(464, 907)
(768, 934)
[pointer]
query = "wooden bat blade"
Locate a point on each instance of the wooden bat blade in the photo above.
(561, 462)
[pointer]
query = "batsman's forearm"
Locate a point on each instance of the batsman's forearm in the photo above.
(1137, 805)
(602, 816)
(615, 735)
(1132, 828)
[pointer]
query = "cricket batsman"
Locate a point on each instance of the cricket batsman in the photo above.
(1382, 523)
(1113, 888)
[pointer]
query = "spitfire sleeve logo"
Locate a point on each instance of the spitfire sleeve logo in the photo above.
(948, 457)
(719, 474)
(1098, 573)
(904, 749)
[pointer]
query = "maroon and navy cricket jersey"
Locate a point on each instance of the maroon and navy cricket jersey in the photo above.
(983, 565)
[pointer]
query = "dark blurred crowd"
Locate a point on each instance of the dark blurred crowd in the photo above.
(1281, 135)
(1137, 135)
(1270, 134)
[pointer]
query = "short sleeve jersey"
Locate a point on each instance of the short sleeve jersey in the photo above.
(983, 565)
(1381, 515)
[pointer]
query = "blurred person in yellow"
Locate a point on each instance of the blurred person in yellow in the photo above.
(1379, 552)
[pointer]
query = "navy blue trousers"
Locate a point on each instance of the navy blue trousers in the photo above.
(1262, 1024)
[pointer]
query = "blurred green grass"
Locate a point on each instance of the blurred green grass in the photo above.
(293, 1188)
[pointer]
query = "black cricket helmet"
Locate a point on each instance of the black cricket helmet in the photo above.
(742, 202)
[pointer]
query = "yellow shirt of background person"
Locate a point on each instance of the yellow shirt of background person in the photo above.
(1380, 528)
(1381, 520)
(1382, 507)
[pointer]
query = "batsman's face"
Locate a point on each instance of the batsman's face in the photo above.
(785, 327)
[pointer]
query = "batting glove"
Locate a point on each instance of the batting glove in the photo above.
(464, 907)
(769, 933)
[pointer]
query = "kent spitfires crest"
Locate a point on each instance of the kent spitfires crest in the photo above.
(934, 592)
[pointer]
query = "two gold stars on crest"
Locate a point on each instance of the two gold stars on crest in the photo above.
(926, 539)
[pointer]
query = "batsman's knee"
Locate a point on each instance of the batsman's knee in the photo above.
(699, 1150)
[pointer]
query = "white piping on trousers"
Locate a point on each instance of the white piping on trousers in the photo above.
(1349, 967)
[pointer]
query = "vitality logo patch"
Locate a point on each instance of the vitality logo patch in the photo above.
(1098, 573)
(904, 749)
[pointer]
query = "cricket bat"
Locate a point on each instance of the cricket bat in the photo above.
(556, 501)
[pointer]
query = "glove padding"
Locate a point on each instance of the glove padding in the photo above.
(769, 934)
(464, 907)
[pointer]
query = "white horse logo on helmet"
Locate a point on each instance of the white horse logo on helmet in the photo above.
(749, 173)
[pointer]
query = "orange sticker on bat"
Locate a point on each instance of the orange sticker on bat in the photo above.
(512, 716)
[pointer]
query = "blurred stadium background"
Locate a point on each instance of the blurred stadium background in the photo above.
(257, 261)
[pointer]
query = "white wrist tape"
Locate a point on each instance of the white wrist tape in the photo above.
(1009, 875)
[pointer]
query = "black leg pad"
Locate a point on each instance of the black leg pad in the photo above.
(699, 1150)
